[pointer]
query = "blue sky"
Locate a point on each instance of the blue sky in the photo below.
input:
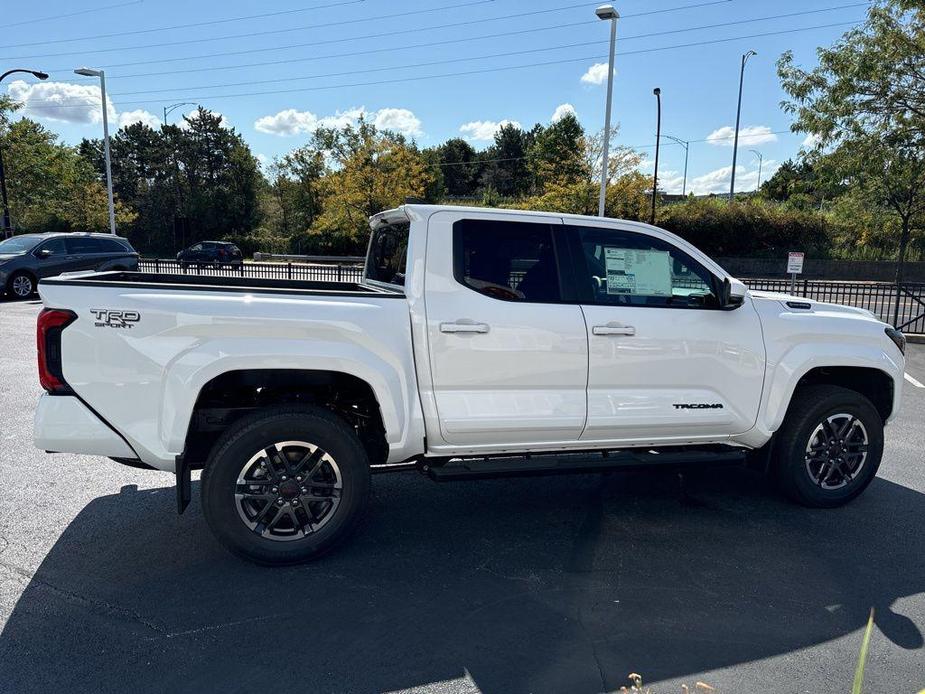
(332, 59)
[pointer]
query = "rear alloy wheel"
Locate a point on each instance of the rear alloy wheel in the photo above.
(21, 285)
(288, 490)
(829, 446)
(285, 485)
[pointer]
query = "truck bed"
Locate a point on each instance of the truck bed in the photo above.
(219, 283)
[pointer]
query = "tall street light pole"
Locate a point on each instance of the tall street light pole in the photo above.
(735, 144)
(760, 162)
(607, 12)
(686, 145)
(87, 72)
(658, 139)
(172, 107)
(7, 228)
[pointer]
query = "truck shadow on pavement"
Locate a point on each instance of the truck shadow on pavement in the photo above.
(556, 584)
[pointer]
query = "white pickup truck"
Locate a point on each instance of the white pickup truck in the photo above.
(480, 343)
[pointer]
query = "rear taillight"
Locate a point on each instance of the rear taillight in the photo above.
(52, 321)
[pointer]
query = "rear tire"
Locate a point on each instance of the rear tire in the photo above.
(829, 447)
(294, 503)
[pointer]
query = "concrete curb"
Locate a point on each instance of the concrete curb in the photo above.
(915, 338)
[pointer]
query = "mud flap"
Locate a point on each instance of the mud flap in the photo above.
(184, 484)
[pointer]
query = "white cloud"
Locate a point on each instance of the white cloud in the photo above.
(561, 111)
(263, 160)
(749, 135)
(291, 122)
(399, 120)
(484, 130)
(717, 181)
(61, 101)
(811, 141)
(287, 122)
(596, 74)
(139, 116)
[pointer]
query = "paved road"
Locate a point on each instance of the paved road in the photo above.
(545, 585)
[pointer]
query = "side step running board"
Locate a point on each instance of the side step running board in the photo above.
(564, 464)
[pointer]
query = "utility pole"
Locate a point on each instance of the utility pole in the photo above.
(88, 72)
(735, 144)
(760, 162)
(172, 107)
(658, 139)
(7, 225)
(607, 12)
(686, 145)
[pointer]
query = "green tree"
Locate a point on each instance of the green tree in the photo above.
(558, 152)
(865, 103)
(51, 188)
(505, 167)
(185, 183)
(368, 171)
(459, 164)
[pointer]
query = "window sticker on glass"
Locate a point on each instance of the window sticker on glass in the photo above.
(632, 271)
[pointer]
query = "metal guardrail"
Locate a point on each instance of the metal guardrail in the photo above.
(903, 306)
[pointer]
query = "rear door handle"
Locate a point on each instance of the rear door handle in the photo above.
(613, 329)
(464, 327)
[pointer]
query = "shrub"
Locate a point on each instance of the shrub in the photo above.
(751, 228)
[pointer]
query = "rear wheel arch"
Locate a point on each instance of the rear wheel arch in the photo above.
(235, 394)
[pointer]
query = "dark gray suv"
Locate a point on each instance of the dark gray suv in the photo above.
(26, 259)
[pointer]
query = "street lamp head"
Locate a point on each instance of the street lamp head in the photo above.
(40, 75)
(748, 55)
(88, 72)
(606, 12)
(657, 91)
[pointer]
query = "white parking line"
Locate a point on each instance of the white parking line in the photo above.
(917, 384)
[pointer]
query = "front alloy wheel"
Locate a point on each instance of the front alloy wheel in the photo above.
(22, 286)
(836, 451)
(829, 446)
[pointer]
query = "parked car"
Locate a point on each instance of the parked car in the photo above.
(480, 343)
(210, 254)
(26, 259)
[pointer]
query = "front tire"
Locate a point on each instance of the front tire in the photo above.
(21, 285)
(829, 447)
(285, 485)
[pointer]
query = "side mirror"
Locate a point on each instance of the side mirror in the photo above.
(44, 253)
(732, 294)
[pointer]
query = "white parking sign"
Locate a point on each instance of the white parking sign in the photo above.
(795, 263)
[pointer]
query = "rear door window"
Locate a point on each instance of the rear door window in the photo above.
(83, 245)
(511, 261)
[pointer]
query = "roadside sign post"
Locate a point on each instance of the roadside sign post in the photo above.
(794, 268)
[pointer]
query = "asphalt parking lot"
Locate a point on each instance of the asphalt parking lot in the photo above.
(539, 585)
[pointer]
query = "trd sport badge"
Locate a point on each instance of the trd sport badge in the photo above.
(105, 318)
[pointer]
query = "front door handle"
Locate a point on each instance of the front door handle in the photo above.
(464, 327)
(613, 329)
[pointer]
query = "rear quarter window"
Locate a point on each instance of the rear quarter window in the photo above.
(388, 253)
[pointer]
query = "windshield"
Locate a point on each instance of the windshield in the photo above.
(19, 244)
